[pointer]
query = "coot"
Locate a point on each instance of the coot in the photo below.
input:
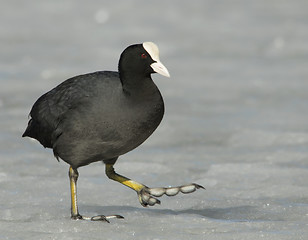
(102, 115)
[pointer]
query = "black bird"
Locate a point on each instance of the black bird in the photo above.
(102, 115)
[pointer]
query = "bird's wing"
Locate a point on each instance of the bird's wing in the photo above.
(52, 107)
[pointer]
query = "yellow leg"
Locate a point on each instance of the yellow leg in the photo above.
(121, 179)
(144, 197)
(73, 175)
(147, 195)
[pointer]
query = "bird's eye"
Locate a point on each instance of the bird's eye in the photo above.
(143, 55)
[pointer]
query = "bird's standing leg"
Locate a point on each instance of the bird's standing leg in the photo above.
(147, 195)
(73, 175)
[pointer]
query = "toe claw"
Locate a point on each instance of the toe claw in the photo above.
(115, 216)
(190, 188)
(198, 186)
(152, 201)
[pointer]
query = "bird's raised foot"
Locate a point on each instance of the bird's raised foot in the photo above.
(147, 195)
(101, 218)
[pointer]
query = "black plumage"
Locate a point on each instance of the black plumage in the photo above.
(102, 115)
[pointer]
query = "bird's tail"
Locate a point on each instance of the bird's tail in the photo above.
(35, 131)
(29, 131)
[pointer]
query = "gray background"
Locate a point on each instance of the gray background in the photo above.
(235, 122)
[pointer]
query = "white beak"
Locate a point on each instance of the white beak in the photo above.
(160, 68)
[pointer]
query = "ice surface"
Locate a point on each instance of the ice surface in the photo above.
(236, 119)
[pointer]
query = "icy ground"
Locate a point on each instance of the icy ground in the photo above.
(236, 118)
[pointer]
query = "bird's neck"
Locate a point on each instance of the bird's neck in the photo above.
(137, 85)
